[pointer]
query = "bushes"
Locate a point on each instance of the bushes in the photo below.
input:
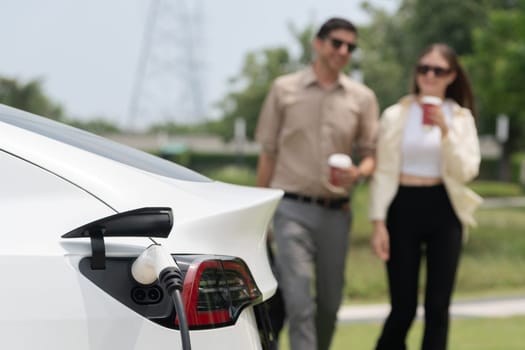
(205, 162)
(208, 162)
(489, 168)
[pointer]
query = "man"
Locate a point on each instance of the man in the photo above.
(307, 116)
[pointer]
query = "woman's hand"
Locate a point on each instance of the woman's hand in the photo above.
(437, 117)
(380, 241)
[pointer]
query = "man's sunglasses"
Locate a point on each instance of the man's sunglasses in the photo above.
(336, 44)
(423, 69)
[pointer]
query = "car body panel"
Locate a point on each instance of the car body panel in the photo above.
(198, 207)
(70, 312)
(48, 188)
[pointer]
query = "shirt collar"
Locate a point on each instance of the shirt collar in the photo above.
(309, 78)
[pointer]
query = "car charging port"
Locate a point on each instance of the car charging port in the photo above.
(155, 263)
(147, 295)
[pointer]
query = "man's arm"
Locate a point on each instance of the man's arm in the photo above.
(265, 167)
(355, 173)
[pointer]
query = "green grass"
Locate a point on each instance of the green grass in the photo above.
(465, 334)
(497, 189)
(493, 258)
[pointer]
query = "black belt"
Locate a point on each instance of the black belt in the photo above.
(329, 203)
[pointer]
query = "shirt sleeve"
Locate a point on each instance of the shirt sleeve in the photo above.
(461, 153)
(269, 122)
(368, 126)
(384, 181)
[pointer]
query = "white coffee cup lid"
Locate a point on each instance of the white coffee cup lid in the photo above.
(431, 100)
(340, 160)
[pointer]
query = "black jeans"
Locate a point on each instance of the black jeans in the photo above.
(420, 222)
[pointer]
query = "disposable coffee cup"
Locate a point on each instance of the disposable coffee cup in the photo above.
(338, 162)
(427, 103)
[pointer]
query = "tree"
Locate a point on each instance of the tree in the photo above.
(391, 43)
(447, 21)
(381, 55)
(489, 35)
(29, 97)
(250, 87)
(498, 71)
(98, 126)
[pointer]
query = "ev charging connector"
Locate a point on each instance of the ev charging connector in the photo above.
(157, 263)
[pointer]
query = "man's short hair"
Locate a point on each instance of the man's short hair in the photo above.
(334, 24)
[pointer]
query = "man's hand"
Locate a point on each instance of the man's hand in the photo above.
(346, 177)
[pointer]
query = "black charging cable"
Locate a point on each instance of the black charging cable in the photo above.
(171, 279)
(154, 263)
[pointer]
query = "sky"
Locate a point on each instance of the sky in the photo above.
(88, 53)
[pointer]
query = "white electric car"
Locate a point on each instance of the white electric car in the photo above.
(77, 210)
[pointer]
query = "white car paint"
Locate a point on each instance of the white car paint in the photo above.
(48, 188)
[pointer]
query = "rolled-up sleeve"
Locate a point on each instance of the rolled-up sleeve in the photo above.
(269, 123)
(368, 125)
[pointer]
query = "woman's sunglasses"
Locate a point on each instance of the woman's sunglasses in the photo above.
(423, 69)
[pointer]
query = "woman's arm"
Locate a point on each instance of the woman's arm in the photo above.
(460, 149)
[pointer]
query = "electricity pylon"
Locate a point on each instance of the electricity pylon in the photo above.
(168, 84)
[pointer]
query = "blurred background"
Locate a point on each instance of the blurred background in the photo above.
(185, 80)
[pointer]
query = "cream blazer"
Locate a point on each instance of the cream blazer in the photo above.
(460, 161)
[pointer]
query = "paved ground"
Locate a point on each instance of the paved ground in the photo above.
(491, 307)
(503, 202)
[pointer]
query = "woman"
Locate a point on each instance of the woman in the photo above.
(419, 203)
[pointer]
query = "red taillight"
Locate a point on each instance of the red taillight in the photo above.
(216, 291)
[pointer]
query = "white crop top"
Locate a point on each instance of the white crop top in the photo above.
(421, 148)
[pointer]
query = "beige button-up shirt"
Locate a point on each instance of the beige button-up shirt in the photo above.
(301, 124)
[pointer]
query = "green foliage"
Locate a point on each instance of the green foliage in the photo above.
(212, 164)
(32, 98)
(304, 38)
(29, 97)
(498, 70)
(488, 189)
(239, 175)
(448, 21)
(381, 62)
(98, 126)
(490, 169)
(465, 334)
(488, 33)
(494, 255)
(250, 87)
(391, 43)
(259, 70)
(493, 258)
